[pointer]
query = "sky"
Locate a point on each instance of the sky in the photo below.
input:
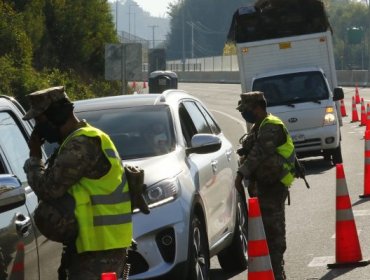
(156, 8)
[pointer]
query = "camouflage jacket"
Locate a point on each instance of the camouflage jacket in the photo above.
(263, 163)
(81, 157)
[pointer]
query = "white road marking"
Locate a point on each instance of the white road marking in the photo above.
(361, 213)
(321, 261)
(233, 118)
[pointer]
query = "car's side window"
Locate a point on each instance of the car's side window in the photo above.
(187, 126)
(2, 166)
(13, 144)
(197, 117)
(212, 123)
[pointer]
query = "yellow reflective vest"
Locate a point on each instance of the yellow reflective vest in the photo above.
(103, 206)
(286, 150)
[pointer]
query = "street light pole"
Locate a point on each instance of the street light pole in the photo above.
(153, 27)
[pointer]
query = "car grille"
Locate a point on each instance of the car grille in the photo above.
(314, 142)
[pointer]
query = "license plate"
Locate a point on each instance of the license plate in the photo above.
(298, 138)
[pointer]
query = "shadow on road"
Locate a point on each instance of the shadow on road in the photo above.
(335, 273)
(219, 274)
(316, 165)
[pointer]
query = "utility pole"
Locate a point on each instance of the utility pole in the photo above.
(192, 37)
(153, 27)
(116, 15)
(129, 19)
(183, 36)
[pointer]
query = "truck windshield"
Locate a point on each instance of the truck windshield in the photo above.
(293, 88)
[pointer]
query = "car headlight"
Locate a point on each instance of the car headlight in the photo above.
(162, 192)
(329, 118)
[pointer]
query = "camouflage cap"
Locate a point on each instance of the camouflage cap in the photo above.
(250, 99)
(41, 100)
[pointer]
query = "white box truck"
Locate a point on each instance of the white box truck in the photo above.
(297, 75)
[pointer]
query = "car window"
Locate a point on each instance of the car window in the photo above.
(197, 117)
(192, 121)
(212, 123)
(137, 131)
(14, 145)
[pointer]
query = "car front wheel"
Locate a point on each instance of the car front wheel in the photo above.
(199, 263)
(235, 257)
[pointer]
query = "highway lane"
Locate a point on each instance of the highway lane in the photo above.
(311, 216)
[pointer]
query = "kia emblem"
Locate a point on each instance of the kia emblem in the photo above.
(293, 120)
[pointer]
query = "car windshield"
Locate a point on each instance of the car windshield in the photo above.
(137, 132)
(293, 88)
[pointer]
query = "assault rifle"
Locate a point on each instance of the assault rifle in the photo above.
(300, 171)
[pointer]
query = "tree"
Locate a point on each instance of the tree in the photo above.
(51, 42)
(342, 17)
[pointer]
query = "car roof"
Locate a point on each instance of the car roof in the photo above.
(132, 100)
(9, 101)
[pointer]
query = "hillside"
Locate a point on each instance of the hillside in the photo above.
(134, 20)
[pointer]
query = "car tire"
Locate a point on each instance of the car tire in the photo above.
(337, 155)
(199, 261)
(235, 257)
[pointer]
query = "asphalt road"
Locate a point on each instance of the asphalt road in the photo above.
(311, 216)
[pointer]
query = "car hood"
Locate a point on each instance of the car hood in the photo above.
(158, 168)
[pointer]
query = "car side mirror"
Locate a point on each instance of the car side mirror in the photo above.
(338, 94)
(12, 194)
(204, 144)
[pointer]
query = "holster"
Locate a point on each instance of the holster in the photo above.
(135, 180)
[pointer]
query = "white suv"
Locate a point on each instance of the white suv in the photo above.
(190, 166)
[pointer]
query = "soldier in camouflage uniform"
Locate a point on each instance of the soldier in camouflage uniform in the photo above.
(268, 161)
(81, 162)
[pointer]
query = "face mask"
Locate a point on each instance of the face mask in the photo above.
(249, 116)
(48, 132)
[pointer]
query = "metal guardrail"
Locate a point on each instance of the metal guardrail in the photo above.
(225, 69)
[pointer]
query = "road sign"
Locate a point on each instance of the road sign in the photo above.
(123, 62)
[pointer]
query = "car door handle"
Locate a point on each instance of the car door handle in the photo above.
(23, 224)
(228, 155)
(214, 165)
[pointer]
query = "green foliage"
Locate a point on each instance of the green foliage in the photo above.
(344, 16)
(47, 43)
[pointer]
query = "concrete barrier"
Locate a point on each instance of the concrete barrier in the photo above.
(345, 77)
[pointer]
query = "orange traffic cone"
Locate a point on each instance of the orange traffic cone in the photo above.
(363, 113)
(144, 84)
(347, 245)
(367, 117)
(357, 94)
(18, 265)
(367, 166)
(108, 276)
(259, 262)
(354, 111)
(343, 108)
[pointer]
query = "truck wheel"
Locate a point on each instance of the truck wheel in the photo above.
(234, 258)
(337, 155)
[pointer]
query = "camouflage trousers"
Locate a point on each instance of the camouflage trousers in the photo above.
(90, 265)
(273, 217)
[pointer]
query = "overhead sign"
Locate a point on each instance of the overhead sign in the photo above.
(123, 62)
